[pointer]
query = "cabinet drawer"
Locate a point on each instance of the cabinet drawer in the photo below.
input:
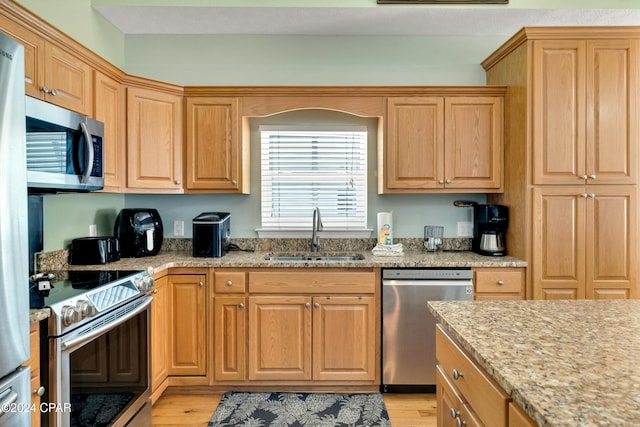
(488, 400)
(499, 280)
(229, 282)
(318, 282)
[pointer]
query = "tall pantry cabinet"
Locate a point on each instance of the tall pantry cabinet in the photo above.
(571, 157)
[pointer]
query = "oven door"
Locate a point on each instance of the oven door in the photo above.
(101, 375)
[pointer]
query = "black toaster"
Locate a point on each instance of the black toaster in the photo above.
(94, 250)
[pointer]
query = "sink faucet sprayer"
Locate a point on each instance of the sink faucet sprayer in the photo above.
(316, 226)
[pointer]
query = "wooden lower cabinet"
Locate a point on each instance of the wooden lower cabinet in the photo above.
(160, 322)
(37, 390)
(328, 338)
(495, 283)
(188, 337)
(467, 395)
(295, 327)
(229, 336)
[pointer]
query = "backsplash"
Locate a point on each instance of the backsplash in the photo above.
(56, 260)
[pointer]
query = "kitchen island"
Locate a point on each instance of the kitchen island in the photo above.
(566, 363)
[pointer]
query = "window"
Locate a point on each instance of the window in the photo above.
(308, 167)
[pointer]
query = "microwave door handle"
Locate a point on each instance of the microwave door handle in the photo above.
(89, 142)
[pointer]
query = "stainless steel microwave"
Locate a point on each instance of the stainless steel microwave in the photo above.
(64, 149)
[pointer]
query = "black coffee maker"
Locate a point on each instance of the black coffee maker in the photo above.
(490, 224)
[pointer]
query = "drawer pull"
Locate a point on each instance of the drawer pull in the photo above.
(39, 391)
(460, 422)
(454, 414)
(457, 374)
(241, 305)
(500, 282)
(229, 283)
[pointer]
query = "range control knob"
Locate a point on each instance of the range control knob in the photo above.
(86, 308)
(144, 284)
(70, 315)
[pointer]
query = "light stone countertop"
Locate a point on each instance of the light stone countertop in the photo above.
(567, 363)
(241, 259)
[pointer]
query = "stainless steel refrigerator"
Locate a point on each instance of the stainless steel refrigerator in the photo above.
(14, 263)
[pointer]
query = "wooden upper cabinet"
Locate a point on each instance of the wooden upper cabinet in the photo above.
(585, 127)
(109, 109)
(52, 73)
(443, 143)
(154, 141)
(216, 159)
(473, 142)
(414, 145)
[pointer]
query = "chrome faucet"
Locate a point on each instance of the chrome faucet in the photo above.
(316, 226)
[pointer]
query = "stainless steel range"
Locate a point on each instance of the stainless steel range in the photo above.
(98, 339)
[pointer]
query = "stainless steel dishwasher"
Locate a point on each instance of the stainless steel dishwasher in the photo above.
(408, 328)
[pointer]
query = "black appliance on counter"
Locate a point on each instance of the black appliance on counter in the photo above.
(139, 231)
(211, 234)
(490, 224)
(94, 250)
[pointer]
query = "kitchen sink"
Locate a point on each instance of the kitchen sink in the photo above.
(314, 257)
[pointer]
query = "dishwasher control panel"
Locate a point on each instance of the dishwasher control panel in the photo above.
(427, 274)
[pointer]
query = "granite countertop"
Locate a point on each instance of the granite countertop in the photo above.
(241, 259)
(567, 363)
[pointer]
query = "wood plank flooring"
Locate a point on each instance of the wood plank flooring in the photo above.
(176, 409)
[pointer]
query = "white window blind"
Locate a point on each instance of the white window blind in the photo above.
(307, 167)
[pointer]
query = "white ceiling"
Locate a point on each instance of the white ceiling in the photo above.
(396, 20)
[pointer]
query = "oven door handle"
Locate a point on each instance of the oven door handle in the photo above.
(76, 342)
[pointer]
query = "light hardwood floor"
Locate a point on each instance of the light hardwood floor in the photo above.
(195, 410)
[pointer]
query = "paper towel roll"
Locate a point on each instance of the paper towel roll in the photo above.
(385, 228)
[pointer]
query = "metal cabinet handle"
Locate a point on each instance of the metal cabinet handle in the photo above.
(460, 422)
(178, 182)
(54, 92)
(500, 282)
(39, 391)
(592, 177)
(234, 182)
(308, 305)
(241, 305)
(316, 305)
(200, 284)
(44, 89)
(448, 181)
(592, 196)
(229, 283)
(583, 177)
(155, 291)
(457, 374)
(583, 195)
(454, 413)
(441, 181)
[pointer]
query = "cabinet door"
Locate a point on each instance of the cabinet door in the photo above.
(109, 109)
(33, 54)
(612, 114)
(345, 323)
(612, 242)
(188, 325)
(34, 363)
(280, 338)
(154, 140)
(473, 142)
(214, 150)
(160, 324)
(229, 334)
(558, 126)
(68, 80)
(558, 242)
(413, 149)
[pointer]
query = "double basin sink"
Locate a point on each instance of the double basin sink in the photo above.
(315, 257)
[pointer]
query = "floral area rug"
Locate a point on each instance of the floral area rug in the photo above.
(97, 409)
(300, 409)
